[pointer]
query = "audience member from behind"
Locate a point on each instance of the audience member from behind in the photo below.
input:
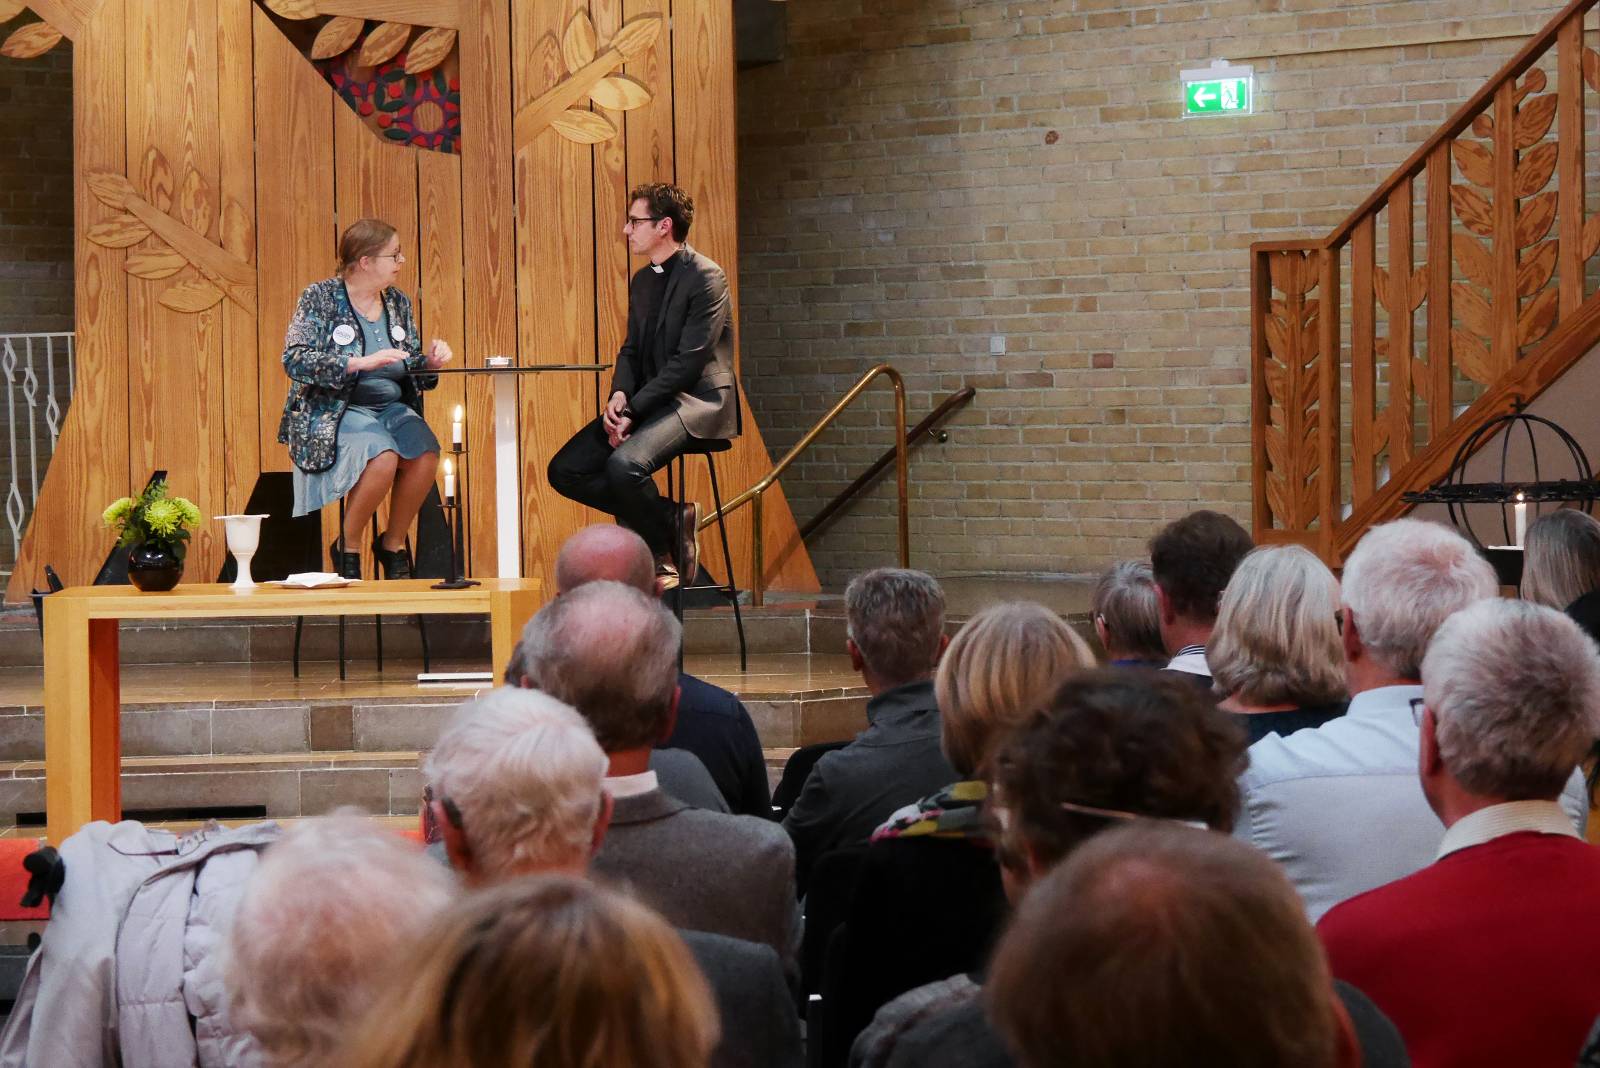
(1161, 945)
(1561, 566)
(321, 924)
(549, 971)
(611, 652)
(517, 787)
(1339, 806)
(1487, 956)
(1192, 560)
(1275, 654)
(928, 902)
(1110, 746)
(712, 723)
(1127, 616)
(896, 635)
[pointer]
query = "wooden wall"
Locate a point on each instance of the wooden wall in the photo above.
(509, 252)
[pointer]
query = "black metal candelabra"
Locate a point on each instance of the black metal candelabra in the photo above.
(454, 503)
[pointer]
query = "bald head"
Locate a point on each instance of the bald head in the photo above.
(605, 553)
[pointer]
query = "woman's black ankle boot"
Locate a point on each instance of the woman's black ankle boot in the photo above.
(395, 563)
(348, 565)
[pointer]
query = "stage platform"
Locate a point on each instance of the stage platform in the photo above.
(215, 723)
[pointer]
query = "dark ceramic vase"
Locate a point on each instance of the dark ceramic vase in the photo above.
(154, 567)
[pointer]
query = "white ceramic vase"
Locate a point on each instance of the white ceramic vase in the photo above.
(244, 537)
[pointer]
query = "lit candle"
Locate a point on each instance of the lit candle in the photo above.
(1522, 520)
(455, 426)
(449, 482)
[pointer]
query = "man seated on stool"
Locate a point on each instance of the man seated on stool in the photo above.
(712, 723)
(673, 382)
(516, 789)
(1487, 956)
(612, 653)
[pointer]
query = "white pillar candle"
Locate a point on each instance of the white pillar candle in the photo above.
(449, 482)
(455, 427)
(1521, 510)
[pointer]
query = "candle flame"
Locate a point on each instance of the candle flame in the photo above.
(449, 467)
(457, 415)
(1519, 495)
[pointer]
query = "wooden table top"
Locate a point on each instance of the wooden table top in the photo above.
(213, 600)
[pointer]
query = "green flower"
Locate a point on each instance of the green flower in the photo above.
(164, 517)
(191, 514)
(117, 511)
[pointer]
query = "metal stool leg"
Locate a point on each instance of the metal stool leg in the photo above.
(727, 562)
(684, 581)
(299, 625)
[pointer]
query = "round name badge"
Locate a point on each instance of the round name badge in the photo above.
(397, 333)
(343, 334)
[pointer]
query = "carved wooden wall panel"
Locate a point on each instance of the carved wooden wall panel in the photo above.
(216, 166)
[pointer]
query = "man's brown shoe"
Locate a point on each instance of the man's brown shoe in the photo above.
(666, 575)
(687, 552)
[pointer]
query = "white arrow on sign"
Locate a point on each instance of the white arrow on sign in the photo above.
(1202, 97)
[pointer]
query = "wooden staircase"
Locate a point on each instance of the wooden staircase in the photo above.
(1463, 287)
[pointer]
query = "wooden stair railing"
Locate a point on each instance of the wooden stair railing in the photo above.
(1492, 261)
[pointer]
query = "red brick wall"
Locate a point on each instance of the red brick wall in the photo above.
(36, 191)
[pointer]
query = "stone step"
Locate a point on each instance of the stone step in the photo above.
(769, 629)
(191, 787)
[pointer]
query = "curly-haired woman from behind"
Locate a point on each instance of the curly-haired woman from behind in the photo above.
(545, 972)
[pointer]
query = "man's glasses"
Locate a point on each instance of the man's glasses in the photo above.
(1119, 814)
(646, 221)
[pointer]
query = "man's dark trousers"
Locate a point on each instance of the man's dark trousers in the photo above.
(587, 469)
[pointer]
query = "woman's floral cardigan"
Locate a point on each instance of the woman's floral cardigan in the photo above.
(320, 387)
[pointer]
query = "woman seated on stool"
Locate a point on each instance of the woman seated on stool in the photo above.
(353, 420)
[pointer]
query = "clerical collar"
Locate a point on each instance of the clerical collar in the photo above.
(666, 266)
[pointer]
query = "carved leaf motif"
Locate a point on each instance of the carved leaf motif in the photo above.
(155, 263)
(294, 9)
(430, 50)
(1537, 318)
(579, 43)
(1473, 310)
(1591, 68)
(10, 9)
(620, 93)
(1535, 170)
(1536, 270)
(635, 38)
(1534, 120)
(382, 43)
(1471, 356)
(158, 182)
(238, 235)
(113, 190)
(192, 297)
(1483, 125)
(1591, 235)
(1277, 340)
(34, 39)
(118, 232)
(1472, 208)
(1535, 219)
(336, 36)
(1291, 273)
(1419, 287)
(1533, 83)
(1476, 163)
(194, 203)
(1277, 379)
(584, 127)
(1473, 259)
(1380, 287)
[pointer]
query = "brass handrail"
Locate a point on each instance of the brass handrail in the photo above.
(752, 496)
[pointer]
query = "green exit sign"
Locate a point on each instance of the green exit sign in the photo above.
(1220, 89)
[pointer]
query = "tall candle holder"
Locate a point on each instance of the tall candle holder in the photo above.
(454, 500)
